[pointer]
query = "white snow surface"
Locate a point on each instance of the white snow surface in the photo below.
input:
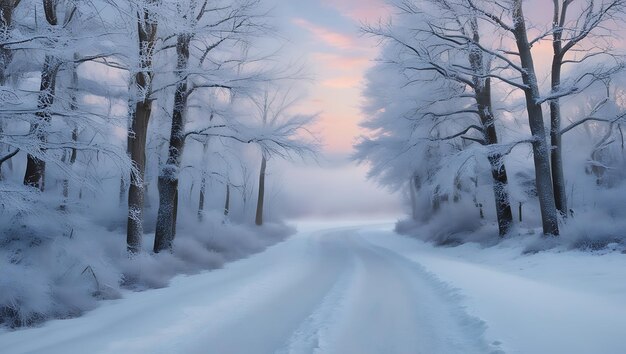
(360, 288)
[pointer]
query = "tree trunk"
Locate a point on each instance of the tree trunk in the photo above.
(131, 107)
(72, 160)
(260, 200)
(136, 191)
(558, 178)
(205, 149)
(35, 167)
(227, 202)
(482, 89)
(73, 151)
(147, 30)
(541, 151)
(168, 177)
(498, 170)
(556, 158)
(201, 198)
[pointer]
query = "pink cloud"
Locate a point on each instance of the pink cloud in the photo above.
(342, 82)
(360, 10)
(327, 36)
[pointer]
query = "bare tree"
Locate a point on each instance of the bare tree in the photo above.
(229, 24)
(448, 44)
(147, 24)
(279, 134)
(566, 37)
(35, 166)
(495, 15)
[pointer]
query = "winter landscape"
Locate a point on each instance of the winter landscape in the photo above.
(314, 176)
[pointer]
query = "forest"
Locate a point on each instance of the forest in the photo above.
(120, 121)
(487, 117)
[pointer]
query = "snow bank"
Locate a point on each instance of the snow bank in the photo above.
(598, 223)
(53, 268)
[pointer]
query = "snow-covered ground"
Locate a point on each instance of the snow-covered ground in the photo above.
(360, 288)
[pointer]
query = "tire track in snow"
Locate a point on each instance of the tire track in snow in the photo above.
(385, 304)
(314, 334)
(267, 325)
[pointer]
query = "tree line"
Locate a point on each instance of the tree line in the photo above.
(454, 76)
(94, 89)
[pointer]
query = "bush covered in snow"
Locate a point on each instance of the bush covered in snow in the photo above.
(53, 268)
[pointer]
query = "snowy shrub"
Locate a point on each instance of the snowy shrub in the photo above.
(50, 268)
(444, 230)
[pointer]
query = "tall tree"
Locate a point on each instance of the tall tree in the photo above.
(530, 86)
(446, 41)
(566, 37)
(147, 25)
(281, 133)
(35, 164)
(229, 23)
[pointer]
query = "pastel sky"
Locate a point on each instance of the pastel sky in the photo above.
(325, 35)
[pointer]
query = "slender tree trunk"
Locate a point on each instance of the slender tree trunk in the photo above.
(541, 151)
(168, 177)
(136, 191)
(131, 108)
(73, 151)
(556, 158)
(205, 149)
(140, 117)
(36, 167)
(72, 160)
(227, 201)
(498, 170)
(482, 90)
(201, 198)
(260, 200)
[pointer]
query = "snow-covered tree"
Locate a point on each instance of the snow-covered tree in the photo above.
(281, 133)
(445, 40)
(578, 38)
(201, 31)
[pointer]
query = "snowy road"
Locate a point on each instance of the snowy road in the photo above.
(336, 288)
(322, 291)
